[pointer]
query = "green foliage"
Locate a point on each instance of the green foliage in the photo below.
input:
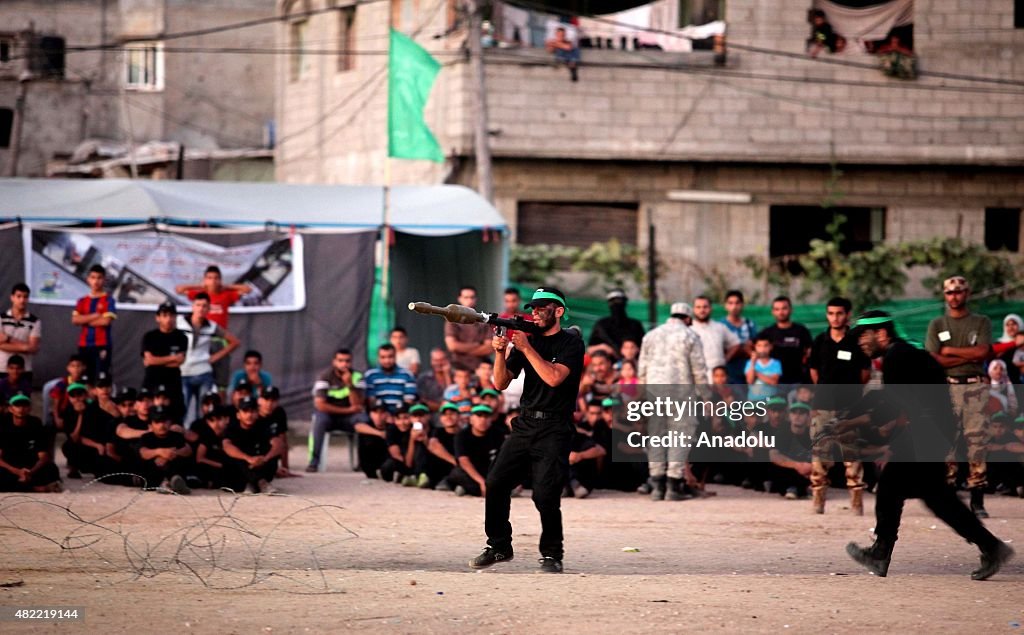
(532, 265)
(985, 270)
(610, 264)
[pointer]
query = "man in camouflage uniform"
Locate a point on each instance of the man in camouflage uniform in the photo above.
(670, 355)
(960, 341)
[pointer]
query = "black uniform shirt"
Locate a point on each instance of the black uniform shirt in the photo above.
(561, 348)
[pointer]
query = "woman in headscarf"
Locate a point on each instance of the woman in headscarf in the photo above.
(1009, 347)
(1001, 387)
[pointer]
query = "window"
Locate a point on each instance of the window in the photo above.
(792, 228)
(346, 38)
(144, 66)
(299, 60)
(1018, 14)
(1002, 229)
(697, 12)
(6, 123)
(6, 49)
(47, 58)
(576, 224)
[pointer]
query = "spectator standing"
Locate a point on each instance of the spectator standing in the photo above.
(960, 341)
(95, 314)
(468, 343)
(718, 341)
(20, 332)
(744, 329)
(163, 353)
(221, 297)
(197, 370)
(609, 332)
(406, 356)
(791, 343)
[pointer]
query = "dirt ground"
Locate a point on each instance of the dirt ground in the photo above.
(340, 553)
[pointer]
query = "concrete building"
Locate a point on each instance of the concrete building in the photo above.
(95, 70)
(727, 161)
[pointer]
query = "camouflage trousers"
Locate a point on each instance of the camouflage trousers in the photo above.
(670, 461)
(826, 449)
(969, 401)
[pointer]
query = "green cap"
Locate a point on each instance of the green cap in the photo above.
(77, 386)
(449, 406)
(481, 409)
(610, 402)
(419, 409)
(1000, 416)
(19, 398)
(490, 392)
(1019, 419)
(775, 401)
(548, 294)
(799, 405)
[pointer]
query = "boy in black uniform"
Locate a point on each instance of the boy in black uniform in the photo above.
(553, 363)
(372, 439)
(401, 448)
(164, 454)
(916, 420)
(275, 419)
(441, 447)
(88, 432)
(253, 448)
(129, 431)
(25, 461)
(476, 447)
(163, 353)
(214, 468)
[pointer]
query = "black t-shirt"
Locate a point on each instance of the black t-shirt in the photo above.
(613, 331)
(161, 344)
(447, 439)
(480, 451)
(134, 423)
(394, 436)
(788, 346)
(95, 423)
(581, 442)
(21, 445)
(561, 348)
(795, 446)
(170, 440)
(839, 365)
(276, 423)
(214, 444)
(254, 441)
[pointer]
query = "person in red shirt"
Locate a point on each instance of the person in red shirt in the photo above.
(95, 313)
(221, 298)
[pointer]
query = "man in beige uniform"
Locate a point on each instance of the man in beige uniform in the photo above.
(960, 341)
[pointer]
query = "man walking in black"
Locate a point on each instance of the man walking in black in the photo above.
(915, 420)
(553, 363)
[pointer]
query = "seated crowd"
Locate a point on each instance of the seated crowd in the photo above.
(439, 427)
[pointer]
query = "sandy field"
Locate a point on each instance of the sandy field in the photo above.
(338, 553)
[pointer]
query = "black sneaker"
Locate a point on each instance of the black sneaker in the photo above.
(490, 556)
(550, 565)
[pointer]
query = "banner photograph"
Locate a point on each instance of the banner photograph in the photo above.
(145, 268)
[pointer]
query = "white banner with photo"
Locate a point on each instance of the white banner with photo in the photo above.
(144, 268)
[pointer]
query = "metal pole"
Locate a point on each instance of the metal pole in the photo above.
(19, 118)
(482, 140)
(652, 271)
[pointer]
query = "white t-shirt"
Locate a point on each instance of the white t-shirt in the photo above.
(716, 339)
(408, 358)
(197, 357)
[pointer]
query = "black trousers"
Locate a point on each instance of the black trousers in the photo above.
(540, 449)
(86, 459)
(373, 452)
(927, 481)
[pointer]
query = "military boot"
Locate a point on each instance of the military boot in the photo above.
(992, 560)
(658, 491)
(875, 558)
(674, 491)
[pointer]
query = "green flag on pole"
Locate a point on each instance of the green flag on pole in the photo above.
(411, 75)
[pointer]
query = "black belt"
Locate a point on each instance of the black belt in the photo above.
(973, 379)
(541, 415)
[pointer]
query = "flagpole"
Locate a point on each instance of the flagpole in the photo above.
(385, 271)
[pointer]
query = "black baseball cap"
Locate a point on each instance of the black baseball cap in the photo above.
(144, 393)
(125, 394)
(248, 403)
(243, 384)
(219, 412)
(103, 380)
(160, 413)
(211, 397)
(379, 406)
(270, 392)
(167, 307)
(162, 390)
